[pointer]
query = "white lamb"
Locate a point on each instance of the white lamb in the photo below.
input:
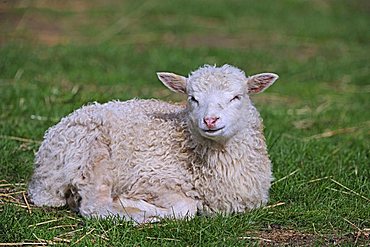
(144, 160)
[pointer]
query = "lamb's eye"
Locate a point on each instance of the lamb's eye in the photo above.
(237, 97)
(193, 99)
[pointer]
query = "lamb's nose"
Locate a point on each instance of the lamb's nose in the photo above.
(210, 122)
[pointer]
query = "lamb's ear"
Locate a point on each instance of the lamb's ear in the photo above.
(258, 83)
(176, 83)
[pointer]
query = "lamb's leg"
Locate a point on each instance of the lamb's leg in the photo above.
(97, 200)
(103, 204)
(178, 205)
(95, 191)
(138, 211)
(169, 205)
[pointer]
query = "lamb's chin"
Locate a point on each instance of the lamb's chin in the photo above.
(219, 134)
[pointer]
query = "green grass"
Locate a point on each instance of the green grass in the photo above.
(62, 56)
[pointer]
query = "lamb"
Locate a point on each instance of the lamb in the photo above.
(144, 160)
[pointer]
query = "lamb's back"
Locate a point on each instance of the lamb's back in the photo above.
(134, 131)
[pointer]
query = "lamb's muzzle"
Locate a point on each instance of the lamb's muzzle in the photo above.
(210, 122)
(147, 159)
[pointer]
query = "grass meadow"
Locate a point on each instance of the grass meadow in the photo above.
(56, 56)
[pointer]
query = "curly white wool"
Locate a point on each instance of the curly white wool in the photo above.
(148, 159)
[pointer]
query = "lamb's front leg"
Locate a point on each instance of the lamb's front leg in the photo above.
(172, 205)
(102, 204)
(137, 210)
(95, 201)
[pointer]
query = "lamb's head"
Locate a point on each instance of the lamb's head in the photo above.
(218, 98)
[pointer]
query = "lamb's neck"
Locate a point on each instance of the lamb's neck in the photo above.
(229, 154)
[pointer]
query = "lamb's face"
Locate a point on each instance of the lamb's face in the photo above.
(218, 99)
(217, 102)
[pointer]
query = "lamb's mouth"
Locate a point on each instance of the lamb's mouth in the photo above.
(213, 131)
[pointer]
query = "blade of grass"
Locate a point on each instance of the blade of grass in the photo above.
(350, 190)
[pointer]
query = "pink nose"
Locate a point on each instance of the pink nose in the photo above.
(210, 121)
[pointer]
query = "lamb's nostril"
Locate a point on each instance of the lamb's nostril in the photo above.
(210, 122)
